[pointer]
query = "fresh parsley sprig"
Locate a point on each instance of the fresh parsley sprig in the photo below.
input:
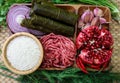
(69, 75)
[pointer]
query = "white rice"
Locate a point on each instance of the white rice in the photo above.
(23, 53)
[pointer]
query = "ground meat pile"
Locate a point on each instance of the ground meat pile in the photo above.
(59, 51)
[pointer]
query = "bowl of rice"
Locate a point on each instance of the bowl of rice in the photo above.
(22, 53)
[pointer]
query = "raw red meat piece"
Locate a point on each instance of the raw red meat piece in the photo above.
(59, 51)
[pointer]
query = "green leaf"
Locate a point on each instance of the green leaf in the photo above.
(1, 2)
(1, 19)
(50, 79)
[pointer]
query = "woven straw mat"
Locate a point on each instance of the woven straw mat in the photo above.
(114, 29)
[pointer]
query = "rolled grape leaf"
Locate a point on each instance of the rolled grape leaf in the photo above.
(27, 23)
(40, 1)
(53, 12)
(48, 25)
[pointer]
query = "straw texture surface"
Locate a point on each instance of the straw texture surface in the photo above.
(114, 29)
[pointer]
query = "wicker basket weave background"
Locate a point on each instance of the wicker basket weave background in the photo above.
(114, 29)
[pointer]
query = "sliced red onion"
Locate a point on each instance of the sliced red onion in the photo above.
(35, 32)
(15, 16)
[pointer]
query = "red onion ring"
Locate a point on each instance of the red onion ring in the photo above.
(15, 16)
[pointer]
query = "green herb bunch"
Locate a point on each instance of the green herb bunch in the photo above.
(69, 75)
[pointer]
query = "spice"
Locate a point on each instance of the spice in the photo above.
(23, 53)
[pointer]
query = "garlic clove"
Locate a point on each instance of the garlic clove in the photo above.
(95, 21)
(91, 16)
(102, 20)
(98, 12)
(87, 16)
(86, 26)
(80, 24)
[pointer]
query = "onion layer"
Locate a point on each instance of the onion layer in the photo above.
(15, 16)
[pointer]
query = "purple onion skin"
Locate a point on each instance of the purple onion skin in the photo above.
(14, 26)
(11, 20)
(38, 36)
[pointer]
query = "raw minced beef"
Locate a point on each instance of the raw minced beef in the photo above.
(59, 51)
